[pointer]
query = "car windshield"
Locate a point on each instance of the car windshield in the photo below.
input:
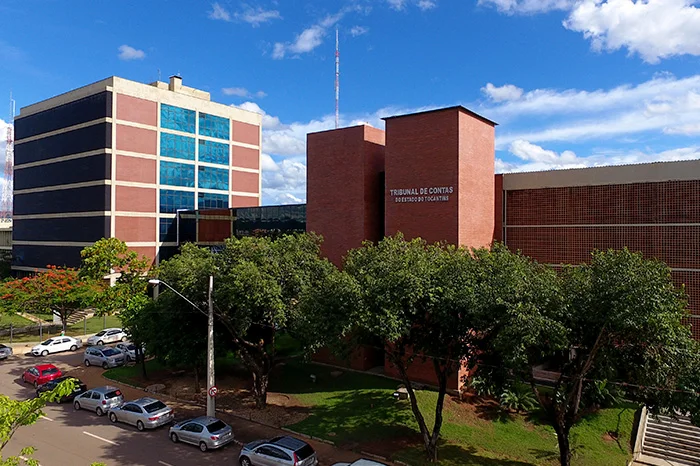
(49, 371)
(304, 452)
(110, 352)
(113, 394)
(216, 426)
(155, 406)
(47, 342)
(2, 346)
(131, 347)
(100, 334)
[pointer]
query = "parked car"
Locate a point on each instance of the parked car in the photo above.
(361, 462)
(40, 374)
(5, 351)
(80, 387)
(103, 356)
(144, 413)
(100, 399)
(207, 432)
(108, 335)
(286, 451)
(56, 345)
(129, 350)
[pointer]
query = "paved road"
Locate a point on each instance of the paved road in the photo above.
(66, 437)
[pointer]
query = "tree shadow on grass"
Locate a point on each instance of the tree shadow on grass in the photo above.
(356, 416)
(455, 455)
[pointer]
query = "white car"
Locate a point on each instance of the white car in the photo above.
(108, 335)
(129, 350)
(57, 344)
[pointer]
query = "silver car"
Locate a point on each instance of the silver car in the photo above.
(103, 356)
(129, 350)
(279, 451)
(5, 351)
(144, 413)
(361, 462)
(100, 399)
(206, 432)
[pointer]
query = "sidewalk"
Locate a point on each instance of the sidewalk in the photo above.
(244, 430)
(27, 345)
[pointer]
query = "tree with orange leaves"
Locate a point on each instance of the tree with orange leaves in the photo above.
(59, 291)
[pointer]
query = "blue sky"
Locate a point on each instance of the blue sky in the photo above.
(571, 82)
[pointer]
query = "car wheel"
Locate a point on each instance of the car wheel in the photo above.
(23, 379)
(203, 446)
(245, 461)
(36, 385)
(74, 348)
(100, 343)
(174, 438)
(87, 363)
(45, 353)
(140, 426)
(99, 411)
(113, 417)
(105, 366)
(123, 338)
(76, 405)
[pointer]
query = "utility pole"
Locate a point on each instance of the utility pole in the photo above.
(211, 389)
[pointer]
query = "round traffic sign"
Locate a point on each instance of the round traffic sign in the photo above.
(213, 391)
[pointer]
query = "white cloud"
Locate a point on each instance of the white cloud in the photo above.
(257, 16)
(654, 29)
(397, 4)
(692, 129)
(527, 6)
(309, 38)
(219, 12)
(504, 93)
(426, 4)
(537, 158)
(243, 92)
(127, 53)
(358, 31)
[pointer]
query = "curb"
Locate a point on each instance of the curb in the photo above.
(238, 416)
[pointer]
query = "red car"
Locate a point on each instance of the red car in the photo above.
(40, 374)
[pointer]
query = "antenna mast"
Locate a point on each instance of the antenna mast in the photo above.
(6, 201)
(337, 78)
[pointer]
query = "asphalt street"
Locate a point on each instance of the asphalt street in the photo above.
(65, 437)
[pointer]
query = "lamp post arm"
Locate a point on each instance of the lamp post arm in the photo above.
(182, 296)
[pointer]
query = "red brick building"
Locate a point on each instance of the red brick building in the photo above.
(431, 175)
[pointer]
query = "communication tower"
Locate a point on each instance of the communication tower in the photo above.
(337, 78)
(6, 201)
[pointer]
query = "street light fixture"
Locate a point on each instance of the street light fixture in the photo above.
(211, 388)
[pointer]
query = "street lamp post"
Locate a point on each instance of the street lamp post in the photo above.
(211, 406)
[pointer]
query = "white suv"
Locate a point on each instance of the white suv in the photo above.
(56, 344)
(108, 335)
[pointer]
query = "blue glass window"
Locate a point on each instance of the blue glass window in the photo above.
(213, 126)
(213, 178)
(177, 118)
(213, 152)
(213, 201)
(168, 230)
(179, 147)
(171, 200)
(177, 174)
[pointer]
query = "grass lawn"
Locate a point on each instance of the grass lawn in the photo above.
(131, 374)
(354, 408)
(94, 325)
(14, 319)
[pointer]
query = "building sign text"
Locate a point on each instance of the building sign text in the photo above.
(432, 194)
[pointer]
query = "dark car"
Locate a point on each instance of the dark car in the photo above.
(80, 387)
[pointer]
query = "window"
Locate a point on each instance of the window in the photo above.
(95, 396)
(177, 118)
(213, 152)
(179, 147)
(192, 427)
(212, 201)
(177, 174)
(213, 126)
(213, 178)
(171, 200)
(168, 230)
(155, 406)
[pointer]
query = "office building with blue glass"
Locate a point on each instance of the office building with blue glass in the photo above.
(119, 158)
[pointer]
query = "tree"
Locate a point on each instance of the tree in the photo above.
(59, 291)
(615, 320)
(257, 286)
(418, 299)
